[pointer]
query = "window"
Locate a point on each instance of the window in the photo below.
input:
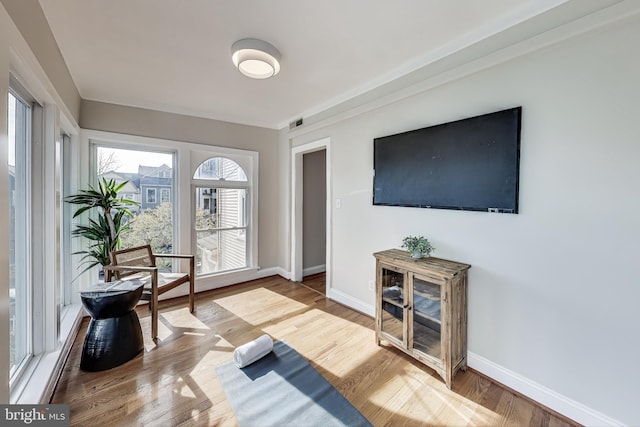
(225, 180)
(221, 216)
(20, 292)
(151, 195)
(146, 172)
(165, 195)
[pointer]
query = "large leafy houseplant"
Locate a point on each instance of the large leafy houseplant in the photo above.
(104, 230)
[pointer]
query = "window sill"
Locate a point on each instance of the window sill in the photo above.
(41, 374)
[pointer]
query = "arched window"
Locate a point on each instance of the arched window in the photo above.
(220, 169)
(222, 212)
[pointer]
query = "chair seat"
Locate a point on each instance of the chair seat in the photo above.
(163, 279)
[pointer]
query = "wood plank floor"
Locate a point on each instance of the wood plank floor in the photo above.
(317, 282)
(174, 382)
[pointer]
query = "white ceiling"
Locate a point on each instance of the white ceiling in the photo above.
(174, 56)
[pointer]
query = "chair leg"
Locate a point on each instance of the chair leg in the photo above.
(191, 296)
(154, 307)
(154, 316)
(191, 284)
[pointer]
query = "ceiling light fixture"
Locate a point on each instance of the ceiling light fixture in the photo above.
(255, 58)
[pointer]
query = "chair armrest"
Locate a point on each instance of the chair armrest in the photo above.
(184, 256)
(128, 268)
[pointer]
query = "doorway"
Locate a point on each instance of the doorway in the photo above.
(310, 234)
(314, 219)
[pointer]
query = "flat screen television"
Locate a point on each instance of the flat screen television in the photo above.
(469, 164)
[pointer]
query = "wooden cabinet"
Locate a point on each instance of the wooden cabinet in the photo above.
(421, 308)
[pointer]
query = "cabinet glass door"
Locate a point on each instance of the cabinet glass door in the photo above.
(426, 317)
(392, 303)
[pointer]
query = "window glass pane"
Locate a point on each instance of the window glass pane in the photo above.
(64, 238)
(150, 183)
(58, 266)
(19, 292)
(220, 168)
(220, 229)
(220, 251)
(151, 196)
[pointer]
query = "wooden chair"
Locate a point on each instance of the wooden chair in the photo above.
(140, 263)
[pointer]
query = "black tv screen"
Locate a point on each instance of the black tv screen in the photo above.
(469, 164)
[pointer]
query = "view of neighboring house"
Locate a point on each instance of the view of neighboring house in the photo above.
(154, 183)
(150, 186)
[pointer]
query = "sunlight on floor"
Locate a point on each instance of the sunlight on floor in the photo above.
(465, 414)
(335, 337)
(260, 305)
(179, 321)
(401, 393)
(182, 389)
(201, 374)
(182, 318)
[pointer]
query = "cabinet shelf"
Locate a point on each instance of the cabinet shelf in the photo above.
(426, 295)
(421, 308)
(435, 320)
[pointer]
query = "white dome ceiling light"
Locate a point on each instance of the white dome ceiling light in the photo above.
(255, 58)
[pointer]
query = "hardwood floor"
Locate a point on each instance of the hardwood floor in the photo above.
(174, 382)
(317, 282)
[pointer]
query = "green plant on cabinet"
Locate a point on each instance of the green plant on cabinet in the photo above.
(418, 246)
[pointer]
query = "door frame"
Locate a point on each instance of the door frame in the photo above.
(296, 206)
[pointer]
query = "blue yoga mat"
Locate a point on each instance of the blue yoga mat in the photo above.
(283, 389)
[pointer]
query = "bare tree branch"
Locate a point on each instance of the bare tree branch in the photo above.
(107, 161)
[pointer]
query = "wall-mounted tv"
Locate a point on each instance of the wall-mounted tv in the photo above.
(469, 164)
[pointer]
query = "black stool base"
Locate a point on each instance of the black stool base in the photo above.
(111, 342)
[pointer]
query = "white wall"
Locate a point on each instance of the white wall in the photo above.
(553, 291)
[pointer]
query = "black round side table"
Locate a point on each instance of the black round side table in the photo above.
(114, 335)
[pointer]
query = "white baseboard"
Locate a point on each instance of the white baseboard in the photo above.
(350, 301)
(282, 272)
(314, 270)
(215, 282)
(541, 394)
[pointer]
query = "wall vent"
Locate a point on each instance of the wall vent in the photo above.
(295, 123)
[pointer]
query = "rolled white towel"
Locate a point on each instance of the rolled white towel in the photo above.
(248, 353)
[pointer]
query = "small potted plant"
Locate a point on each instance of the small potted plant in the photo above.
(417, 246)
